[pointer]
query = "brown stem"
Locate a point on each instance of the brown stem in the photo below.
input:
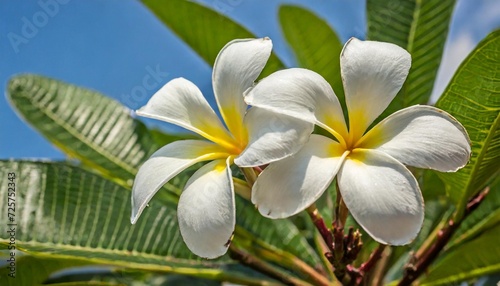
(294, 264)
(359, 274)
(318, 221)
(263, 267)
(412, 272)
(377, 274)
(374, 258)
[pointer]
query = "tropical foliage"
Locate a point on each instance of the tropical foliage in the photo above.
(76, 213)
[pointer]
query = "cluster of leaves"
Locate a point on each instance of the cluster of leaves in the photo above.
(76, 213)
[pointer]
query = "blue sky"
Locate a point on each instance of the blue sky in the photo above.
(110, 46)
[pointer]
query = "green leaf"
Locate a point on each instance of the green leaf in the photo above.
(281, 235)
(49, 106)
(476, 258)
(316, 46)
(74, 214)
(162, 138)
(84, 124)
(486, 216)
(32, 270)
(473, 98)
(420, 27)
(203, 29)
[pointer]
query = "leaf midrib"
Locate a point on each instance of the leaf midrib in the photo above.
(483, 150)
(125, 253)
(74, 132)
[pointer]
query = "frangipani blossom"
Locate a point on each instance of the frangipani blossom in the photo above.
(206, 209)
(379, 191)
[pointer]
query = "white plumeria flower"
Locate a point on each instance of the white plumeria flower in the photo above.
(206, 209)
(379, 191)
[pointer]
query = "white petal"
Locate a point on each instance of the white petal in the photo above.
(180, 102)
(272, 137)
(206, 210)
(422, 136)
(165, 164)
(382, 195)
(236, 68)
(291, 185)
(299, 93)
(373, 73)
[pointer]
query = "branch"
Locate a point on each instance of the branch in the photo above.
(263, 267)
(374, 258)
(358, 275)
(295, 264)
(318, 221)
(412, 272)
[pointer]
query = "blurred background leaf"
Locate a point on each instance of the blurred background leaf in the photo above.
(421, 28)
(32, 270)
(315, 44)
(206, 31)
(478, 257)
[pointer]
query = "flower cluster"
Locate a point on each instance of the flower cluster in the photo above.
(369, 163)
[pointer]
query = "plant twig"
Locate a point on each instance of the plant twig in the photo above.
(374, 258)
(357, 275)
(412, 272)
(295, 264)
(263, 267)
(278, 256)
(321, 247)
(376, 276)
(318, 221)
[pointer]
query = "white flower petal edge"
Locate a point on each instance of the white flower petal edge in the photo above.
(180, 102)
(272, 137)
(165, 164)
(372, 73)
(422, 136)
(206, 210)
(382, 195)
(289, 186)
(236, 68)
(299, 93)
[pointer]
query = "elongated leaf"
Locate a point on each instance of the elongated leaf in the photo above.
(473, 97)
(83, 123)
(476, 258)
(486, 216)
(73, 214)
(203, 29)
(316, 45)
(420, 27)
(52, 109)
(69, 211)
(279, 234)
(30, 270)
(86, 125)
